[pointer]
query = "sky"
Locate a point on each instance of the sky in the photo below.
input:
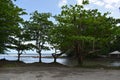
(54, 6)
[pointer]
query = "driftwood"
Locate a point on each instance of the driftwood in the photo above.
(55, 56)
(90, 52)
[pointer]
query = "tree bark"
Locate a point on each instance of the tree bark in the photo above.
(55, 57)
(40, 57)
(19, 56)
(78, 53)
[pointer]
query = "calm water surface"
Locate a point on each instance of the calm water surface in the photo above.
(31, 58)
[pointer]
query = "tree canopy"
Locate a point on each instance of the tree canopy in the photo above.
(78, 29)
(37, 29)
(9, 21)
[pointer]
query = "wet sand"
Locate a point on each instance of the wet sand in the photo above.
(57, 73)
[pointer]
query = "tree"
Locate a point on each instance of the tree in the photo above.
(9, 21)
(78, 27)
(38, 28)
(17, 42)
(115, 43)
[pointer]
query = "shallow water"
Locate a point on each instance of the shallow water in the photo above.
(32, 58)
(115, 63)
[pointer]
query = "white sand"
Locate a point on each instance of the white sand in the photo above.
(57, 73)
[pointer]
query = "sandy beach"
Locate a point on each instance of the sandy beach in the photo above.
(57, 73)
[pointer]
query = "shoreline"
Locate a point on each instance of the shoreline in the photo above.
(7, 63)
(34, 56)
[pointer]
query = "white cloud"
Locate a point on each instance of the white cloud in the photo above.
(62, 2)
(96, 2)
(109, 4)
(99, 3)
(79, 2)
(111, 1)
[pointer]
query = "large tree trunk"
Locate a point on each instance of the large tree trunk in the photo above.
(40, 57)
(78, 53)
(19, 56)
(55, 57)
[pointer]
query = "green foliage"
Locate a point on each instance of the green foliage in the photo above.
(9, 21)
(83, 30)
(38, 27)
(115, 43)
(38, 30)
(17, 41)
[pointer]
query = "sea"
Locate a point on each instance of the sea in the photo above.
(32, 57)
